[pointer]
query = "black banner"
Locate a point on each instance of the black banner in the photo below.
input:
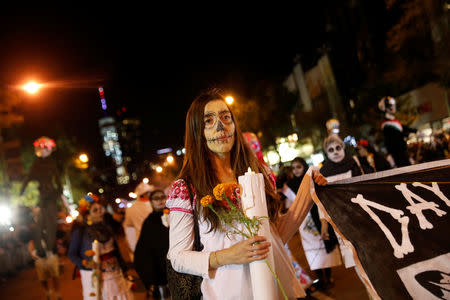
(399, 224)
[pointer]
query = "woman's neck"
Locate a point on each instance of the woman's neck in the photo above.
(222, 166)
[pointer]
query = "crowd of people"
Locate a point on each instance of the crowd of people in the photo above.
(160, 240)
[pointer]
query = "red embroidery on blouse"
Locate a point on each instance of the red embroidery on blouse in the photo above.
(188, 211)
(179, 190)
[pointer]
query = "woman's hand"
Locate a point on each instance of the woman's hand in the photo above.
(318, 177)
(324, 230)
(255, 248)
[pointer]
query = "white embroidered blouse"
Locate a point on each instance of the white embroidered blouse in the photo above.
(230, 281)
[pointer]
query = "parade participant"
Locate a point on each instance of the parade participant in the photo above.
(216, 153)
(338, 163)
(47, 266)
(321, 254)
(45, 171)
(136, 214)
(370, 157)
(151, 249)
(394, 132)
(255, 145)
(114, 286)
(332, 126)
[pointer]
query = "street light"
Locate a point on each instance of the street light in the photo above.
(83, 158)
(170, 159)
(31, 87)
(229, 100)
(159, 169)
(145, 180)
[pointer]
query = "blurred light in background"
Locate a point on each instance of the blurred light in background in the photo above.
(83, 158)
(69, 219)
(145, 180)
(169, 159)
(159, 169)
(5, 215)
(118, 200)
(229, 100)
(129, 204)
(31, 87)
(101, 191)
(132, 195)
(317, 158)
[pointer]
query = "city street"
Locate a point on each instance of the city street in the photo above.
(26, 287)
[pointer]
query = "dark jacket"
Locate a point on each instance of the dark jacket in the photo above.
(81, 240)
(151, 251)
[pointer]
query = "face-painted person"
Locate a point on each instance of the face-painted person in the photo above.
(216, 152)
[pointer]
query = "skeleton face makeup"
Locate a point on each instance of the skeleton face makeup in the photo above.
(335, 152)
(42, 151)
(219, 127)
(391, 106)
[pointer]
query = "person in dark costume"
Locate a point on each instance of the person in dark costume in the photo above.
(394, 132)
(151, 248)
(371, 158)
(44, 170)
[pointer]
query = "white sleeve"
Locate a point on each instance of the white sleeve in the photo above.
(181, 234)
(181, 242)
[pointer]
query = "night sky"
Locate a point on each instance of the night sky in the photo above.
(154, 68)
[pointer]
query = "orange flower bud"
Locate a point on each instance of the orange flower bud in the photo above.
(89, 253)
(207, 200)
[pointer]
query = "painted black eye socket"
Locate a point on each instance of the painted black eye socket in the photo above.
(337, 148)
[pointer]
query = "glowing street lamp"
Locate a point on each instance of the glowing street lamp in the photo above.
(31, 87)
(145, 180)
(169, 159)
(229, 100)
(83, 158)
(159, 169)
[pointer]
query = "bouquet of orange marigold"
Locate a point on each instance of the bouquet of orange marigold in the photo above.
(226, 204)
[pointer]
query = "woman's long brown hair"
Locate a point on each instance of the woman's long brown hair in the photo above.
(197, 167)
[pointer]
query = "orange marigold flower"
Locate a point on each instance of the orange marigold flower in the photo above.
(166, 211)
(218, 191)
(89, 253)
(207, 200)
(230, 188)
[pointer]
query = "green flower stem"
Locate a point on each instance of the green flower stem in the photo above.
(278, 280)
(230, 224)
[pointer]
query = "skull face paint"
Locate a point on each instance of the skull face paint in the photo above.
(219, 127)
(335, 152)
(42, 152)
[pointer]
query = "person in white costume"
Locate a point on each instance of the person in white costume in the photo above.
(216, 152)
(137, 213)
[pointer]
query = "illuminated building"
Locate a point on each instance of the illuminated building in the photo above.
(111, 145)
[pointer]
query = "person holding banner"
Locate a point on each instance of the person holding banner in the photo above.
(216, 152)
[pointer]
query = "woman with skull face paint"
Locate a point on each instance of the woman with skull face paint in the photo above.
(216, 152)
(338, 165)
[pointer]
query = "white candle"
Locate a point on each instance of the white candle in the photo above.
(96, 249)
(96, 273)
(253, 198)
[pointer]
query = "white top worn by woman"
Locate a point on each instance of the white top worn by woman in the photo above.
(230, 281)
